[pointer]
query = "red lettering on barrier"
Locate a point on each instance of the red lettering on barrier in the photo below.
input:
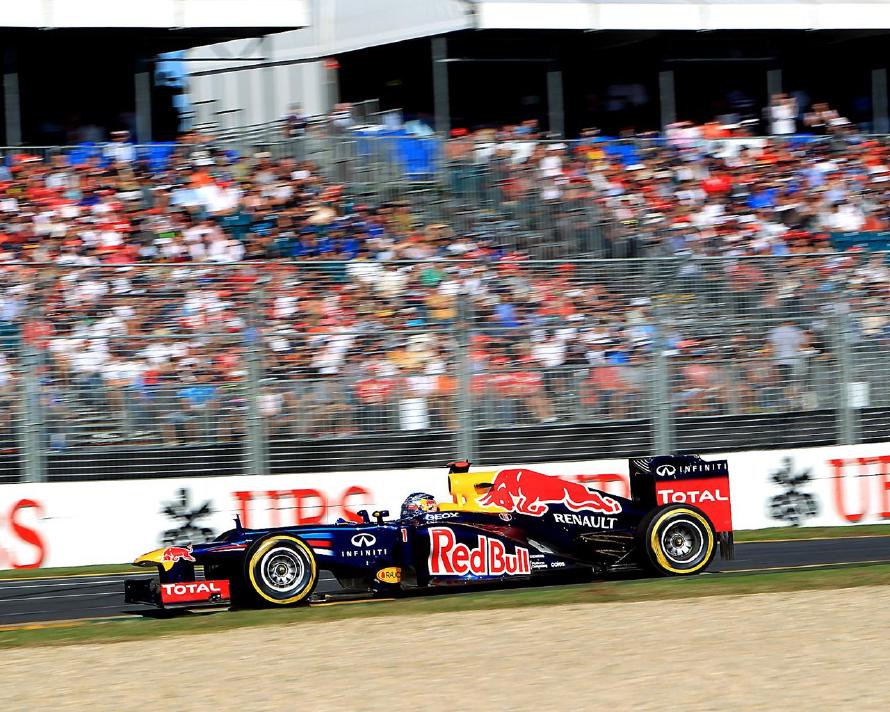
(602, 481)
(272, 506)
(243, 500)
(353, 491)
(27, 534)
(310, 506)
(303, 517)
(884, 486)
(838, 474)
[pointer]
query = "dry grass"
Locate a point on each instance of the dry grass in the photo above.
(810, 650)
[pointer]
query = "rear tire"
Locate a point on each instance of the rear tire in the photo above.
(678, 540)
(280, 570)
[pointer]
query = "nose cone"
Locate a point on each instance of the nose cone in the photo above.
(154, 558)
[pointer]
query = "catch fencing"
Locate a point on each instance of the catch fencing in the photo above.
(203, 369)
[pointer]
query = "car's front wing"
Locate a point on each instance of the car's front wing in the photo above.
(181, 594)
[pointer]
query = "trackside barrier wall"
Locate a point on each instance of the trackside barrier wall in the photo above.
(78, 523)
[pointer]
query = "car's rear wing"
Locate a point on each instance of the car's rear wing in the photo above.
(669, 479)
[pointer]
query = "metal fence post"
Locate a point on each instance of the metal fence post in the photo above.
(660, 393)
(257, 450)
(847, 415)
(662, 421)
(32, 435)
(465, 437)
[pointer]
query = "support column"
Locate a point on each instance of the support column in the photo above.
(255, 445)
(773, 82)
(465, 439)
(270, 106)
(847, 407)
(442, 108)
(330, 68)
(555, 106)
(11, 102)
(880, 121)
(667, 98)
(142, 86)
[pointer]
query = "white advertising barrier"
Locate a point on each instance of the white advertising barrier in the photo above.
(70, 524)
(75, 523)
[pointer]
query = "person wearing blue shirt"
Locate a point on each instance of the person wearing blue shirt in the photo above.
(192, 411)
(763, 199)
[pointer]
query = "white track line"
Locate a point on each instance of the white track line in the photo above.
(68, 595)
(28, 613)
(814, 538)
(802, 566)
(69, 577)
(56, 585)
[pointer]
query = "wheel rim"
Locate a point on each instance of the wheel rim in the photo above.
(682, 542)
(282, 570)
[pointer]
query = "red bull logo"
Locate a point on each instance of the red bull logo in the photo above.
(529, 492)
(488, 558)
(175, 553)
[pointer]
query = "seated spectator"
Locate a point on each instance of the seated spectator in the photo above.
(375, 394)
(700, 388)
(193, 409)
(607, 390)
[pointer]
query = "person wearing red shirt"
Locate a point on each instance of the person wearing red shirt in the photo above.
(522, 386)
(605, 386)
(716, 184)
(375, 397)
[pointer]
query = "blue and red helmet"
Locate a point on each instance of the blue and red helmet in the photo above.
(419, 503)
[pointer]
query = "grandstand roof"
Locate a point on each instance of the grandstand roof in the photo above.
(173, 14)
(683, 14)
(346, 25)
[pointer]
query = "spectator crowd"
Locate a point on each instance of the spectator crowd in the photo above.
(696, 192)
(164, 302)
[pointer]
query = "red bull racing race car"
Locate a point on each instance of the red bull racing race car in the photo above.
(513, 524)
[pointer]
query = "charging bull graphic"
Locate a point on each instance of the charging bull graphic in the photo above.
(529, 492)
(175, 553)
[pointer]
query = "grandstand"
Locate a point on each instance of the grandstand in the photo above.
(348, 295)
(253, 314)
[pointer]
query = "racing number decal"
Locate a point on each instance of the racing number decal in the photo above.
(655, 542)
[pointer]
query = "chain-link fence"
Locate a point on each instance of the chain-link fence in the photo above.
(200, 369)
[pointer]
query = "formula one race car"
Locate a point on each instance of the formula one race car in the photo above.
(510, 525)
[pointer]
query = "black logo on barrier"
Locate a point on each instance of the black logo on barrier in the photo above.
(189, 530)
(792, 506)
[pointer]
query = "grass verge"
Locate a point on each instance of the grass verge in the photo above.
(96, 570)
(725, 584)
(777, 533)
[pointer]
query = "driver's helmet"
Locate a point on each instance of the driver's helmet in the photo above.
(419, 503)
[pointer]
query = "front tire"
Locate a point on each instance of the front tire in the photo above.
(280, 570)
(678, 540)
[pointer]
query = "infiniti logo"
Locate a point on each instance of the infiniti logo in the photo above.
(364, 540)
(665, 470)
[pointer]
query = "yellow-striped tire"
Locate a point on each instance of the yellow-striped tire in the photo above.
(678, 540)
(280, 570)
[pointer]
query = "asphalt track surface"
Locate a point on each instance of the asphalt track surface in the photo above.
(52, 599)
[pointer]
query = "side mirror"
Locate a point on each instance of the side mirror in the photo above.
(380, 515)
(363, 513)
